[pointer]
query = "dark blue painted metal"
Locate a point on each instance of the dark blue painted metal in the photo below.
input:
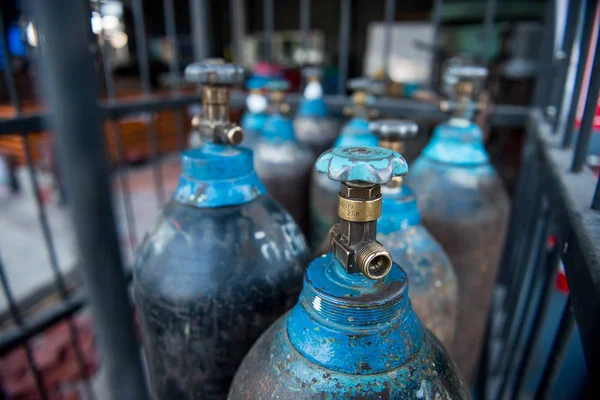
(350, 336)
(356, 133)
(465, 207)
(433, 283)
(222, 262)
(217, 176)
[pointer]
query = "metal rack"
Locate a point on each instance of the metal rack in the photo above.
(556, 194)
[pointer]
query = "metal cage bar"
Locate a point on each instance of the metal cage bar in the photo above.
(584, 45)
(75, 110)
(144, 66)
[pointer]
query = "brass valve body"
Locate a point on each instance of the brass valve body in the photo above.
(354, 239)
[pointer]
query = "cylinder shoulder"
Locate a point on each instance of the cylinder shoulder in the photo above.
(192, 249)
(275, 369)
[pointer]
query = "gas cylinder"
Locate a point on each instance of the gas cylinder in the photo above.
(433, 284)
(464, 205)
(323, 191)
(315, 127)
(254, 119)
(222, 261)
(283, 164)
(353, 333)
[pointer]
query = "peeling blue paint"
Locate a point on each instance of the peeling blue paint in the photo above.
(348, 337)
(350, 323)
(399, 210)
(458, 142)
(313, 108)
(356, 133)
(252, 125)
(217, 175)
(278, 128)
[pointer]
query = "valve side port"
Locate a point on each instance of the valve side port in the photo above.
(374, 260)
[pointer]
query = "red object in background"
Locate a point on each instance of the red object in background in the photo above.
(268, 70)
(56, 360)
(596, 126)
(561, 283)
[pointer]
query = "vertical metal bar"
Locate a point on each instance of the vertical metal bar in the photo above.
(8, 72)
(75, 110)
(61, 286)
(545, 57)
(343, 44)
(523, 294)
(436, 18)
(518, 209)
(390, 13)
(41, 210)
(269, 23)
(238, 28)
(122, 172)
(488, 30)
(589, 113)
(524, 229)
(596, 200)
(200, 29)
(584, 46)
(16, 315)
(524, 308)
(305, 22)
(174, 67)
(572, 28)
(144, 66)
(559, 348)
(539, 315)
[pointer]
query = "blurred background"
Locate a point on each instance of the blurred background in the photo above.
(140, 49)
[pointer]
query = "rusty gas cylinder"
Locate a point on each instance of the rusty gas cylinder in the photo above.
(433, 283)
(222, 261)
(353, 333)
(464, 205)
(283, 163)
(315, 126)
(323, 191)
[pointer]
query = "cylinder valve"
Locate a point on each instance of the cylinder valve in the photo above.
(217, 79)
(361, 171)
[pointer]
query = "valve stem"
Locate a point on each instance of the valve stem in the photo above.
(354, 239)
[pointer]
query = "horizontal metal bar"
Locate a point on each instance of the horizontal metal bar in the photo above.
(500, 115)
(14, 337)
(570, 198)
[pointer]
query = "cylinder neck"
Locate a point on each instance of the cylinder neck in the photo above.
(215, 103)
(341, 320)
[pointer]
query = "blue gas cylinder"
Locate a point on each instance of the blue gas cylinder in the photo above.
(282, 162)
(353, 333)
(433, 283)
(323, 191)
(253, 120)
(315, 127)
(465, 206)
(221, 263)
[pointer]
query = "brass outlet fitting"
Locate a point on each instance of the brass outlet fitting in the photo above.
(354, 239)
(214, 123)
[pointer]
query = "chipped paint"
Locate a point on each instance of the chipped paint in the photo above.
(363, 342)
(202, 280)
(465, 207)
